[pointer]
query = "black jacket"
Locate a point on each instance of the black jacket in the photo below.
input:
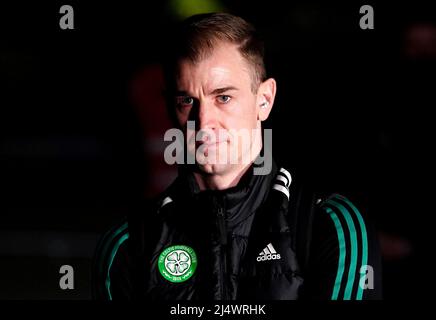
(267, 238)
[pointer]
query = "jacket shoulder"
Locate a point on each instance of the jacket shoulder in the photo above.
(344, 251)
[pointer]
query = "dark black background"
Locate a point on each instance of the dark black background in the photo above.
(353, 112)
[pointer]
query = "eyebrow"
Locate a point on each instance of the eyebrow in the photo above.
(222, 90)
(180, 93)
(215, 91)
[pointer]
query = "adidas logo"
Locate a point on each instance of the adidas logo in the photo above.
(268, 253)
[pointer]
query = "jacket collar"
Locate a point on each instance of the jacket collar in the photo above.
(238, 202)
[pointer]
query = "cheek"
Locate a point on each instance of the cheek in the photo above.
(190, 137)
(182, 118)
(244, 116)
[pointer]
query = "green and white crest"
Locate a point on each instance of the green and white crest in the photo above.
(177, 263)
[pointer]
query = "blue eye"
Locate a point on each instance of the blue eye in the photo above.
(224, 99)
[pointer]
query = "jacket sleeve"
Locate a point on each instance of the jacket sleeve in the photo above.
(111, 271)
(344, 260)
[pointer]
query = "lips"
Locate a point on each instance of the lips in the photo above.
(208, 138)
(208, 145)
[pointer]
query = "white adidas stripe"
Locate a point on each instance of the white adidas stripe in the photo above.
(281, 189)
(287, 174)
(282, 179)
(285, 177)
(166, 201)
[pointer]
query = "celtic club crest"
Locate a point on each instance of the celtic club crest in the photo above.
(177, 263)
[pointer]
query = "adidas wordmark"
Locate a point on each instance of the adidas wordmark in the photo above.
(268, 253)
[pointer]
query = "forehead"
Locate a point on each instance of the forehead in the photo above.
(223, 66)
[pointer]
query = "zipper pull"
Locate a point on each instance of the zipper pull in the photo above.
(222, 226)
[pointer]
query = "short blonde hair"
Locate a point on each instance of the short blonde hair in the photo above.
(198, 35)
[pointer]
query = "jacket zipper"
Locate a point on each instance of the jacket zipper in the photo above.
(222, 226)
(223, 244)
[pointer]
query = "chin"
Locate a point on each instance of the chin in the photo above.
(217, 166)
(213, 169)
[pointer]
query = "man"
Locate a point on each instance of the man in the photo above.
(231, 227)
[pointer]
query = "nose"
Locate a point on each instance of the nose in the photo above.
(206, 123)
(206, 118)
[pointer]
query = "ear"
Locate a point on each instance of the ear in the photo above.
(265, 98)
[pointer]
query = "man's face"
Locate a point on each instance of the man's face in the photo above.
(216, 93)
